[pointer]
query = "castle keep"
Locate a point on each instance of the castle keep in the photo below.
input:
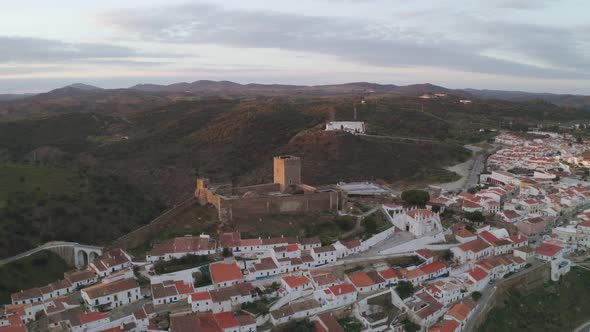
(285, 194)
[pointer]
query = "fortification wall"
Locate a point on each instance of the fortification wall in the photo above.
(143, 234)
(259, 189)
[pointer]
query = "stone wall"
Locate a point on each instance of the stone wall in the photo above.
(143, 234)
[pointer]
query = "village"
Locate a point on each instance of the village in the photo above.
(433, 267)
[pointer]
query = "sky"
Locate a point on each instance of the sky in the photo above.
(528, 45)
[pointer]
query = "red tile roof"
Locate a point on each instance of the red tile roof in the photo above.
(477, 274)
(547, 249)
(432, 267)
(476, 245)
(342, 289)
(200, 296)
(361, 279)
(92, 317)
(222, 272)
(445, 326)
(296, 281)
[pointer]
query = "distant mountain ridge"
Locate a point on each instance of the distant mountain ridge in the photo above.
(209, 87)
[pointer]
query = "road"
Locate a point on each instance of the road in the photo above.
(583, 328)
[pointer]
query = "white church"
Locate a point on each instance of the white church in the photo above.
(419, 222)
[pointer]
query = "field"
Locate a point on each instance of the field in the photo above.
(559, 306)
(41, 203)
(36, 270)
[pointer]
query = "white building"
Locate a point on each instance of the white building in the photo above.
(111, 295)
(354, 127)
(419, 222)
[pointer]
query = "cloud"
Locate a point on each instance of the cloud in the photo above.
(372, 43)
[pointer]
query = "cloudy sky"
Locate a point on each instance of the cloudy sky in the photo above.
(531, 45)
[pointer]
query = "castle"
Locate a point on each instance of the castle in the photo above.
(285, 194)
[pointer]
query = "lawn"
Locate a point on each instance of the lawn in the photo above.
(36, 270)
(557, 306)
(259, 307)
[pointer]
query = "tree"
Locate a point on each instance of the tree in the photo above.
(476, 296)
(436, 208)
(410, 326)
(475, 216)
(404, 289)
(370, 225)
(416, 197)
(470, 228)
(226, 252)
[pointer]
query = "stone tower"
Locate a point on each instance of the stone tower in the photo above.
(287, 171)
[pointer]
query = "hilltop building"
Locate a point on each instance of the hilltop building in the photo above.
(285, 194)
(353, 127)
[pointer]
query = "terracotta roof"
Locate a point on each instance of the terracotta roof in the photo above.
(361, 279)
(488, 237)
(78, 276)
(296, 281)
(26, 294)
(476, 245)
(342, 289)
(200, 296)
(463, 233)
(329, 323)
(92, 317)
(432, 267)
(323, 249)
(477, 274)
(547, 249)
(222, 272)
(388, 274)
(460, 311)
(446, 325)
(229, 240)
(424, 253)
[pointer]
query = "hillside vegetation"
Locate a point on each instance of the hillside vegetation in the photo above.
(560, 306)
(36, 270)
(41, 203)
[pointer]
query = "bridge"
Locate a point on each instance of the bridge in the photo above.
(76, 254)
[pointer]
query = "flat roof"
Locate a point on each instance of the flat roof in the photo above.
(362, 188)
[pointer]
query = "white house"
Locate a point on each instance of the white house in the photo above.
(324, 255)
(472, 251)
(111, 295)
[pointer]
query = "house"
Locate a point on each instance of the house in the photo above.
(324, 255)
(434, 270)
(476, 279)
(390, 276)
(81, 278)
(225, 274)
(347, 248)
(295, 310)
(424, 309)
(461, 312)
(510, 216)
(60, 287)
(212, 322)
(201, 301)
(169, 291)
(367, 281)
(296, 283)
(463, 235)
(445, 292)
(111, 262)
(32, 295)
(339, 295)
(548, 252)
(533, 226)
(426, 255)
(525, 253)
(231, 297)
(75, 319)
(323, 279)
(266, 267)
(111, 295)
(472, 251)
(501, 245)
(180, 247)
